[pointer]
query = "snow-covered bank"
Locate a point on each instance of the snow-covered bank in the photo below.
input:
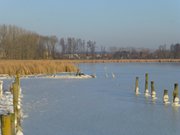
(69, 77)
(55, 76)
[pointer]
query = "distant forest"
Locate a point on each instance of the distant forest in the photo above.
(17, 43)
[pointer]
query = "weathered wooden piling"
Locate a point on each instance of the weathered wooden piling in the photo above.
(13, 128)
(146, 92)
(16, 104)
(1, 88)
(137, 86)
(165, 97)
(153, 93)
(175, 95)
(15, 101)
(6, 128)
(17, 80)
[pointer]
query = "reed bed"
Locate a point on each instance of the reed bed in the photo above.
(32, 67)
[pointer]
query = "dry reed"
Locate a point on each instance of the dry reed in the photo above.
(31, 67)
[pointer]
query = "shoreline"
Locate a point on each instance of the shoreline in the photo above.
(48, 76)
(95, 60)
(127, 61)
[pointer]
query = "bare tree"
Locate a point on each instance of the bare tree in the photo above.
(91, 46)
(63, 46)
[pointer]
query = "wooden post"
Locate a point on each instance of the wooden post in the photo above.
(137, 86)
(13, 124)
(15, 103)
(175, 95)
(146, 92)
(6, 124)
(17, 79)
(165, 97)
(153, 93)
(1, 88)
(16, 96)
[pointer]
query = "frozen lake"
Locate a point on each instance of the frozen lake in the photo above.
(104, 105)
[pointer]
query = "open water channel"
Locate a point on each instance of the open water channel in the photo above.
(103, 105)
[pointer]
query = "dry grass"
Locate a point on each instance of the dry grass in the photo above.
(30, 67)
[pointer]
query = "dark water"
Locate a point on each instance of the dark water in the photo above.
(102, 106)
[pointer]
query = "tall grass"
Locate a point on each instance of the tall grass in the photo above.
(31, 67)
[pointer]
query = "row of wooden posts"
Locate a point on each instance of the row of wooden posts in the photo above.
(11, 120)
(153, 92)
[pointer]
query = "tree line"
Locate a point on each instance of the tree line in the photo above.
(18, 43)
(173, 52)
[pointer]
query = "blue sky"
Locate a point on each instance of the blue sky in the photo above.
(123, 23)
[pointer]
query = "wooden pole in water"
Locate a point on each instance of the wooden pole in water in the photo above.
(153, 93)
(165, 96)
(146, 92)
(137, 86)
(13, 124)
(6, 124)
(15, 103)
(1, 88)
(16, 95)
(175, 94)
(17, 80)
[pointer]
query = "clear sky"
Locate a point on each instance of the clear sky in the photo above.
(123, 23)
